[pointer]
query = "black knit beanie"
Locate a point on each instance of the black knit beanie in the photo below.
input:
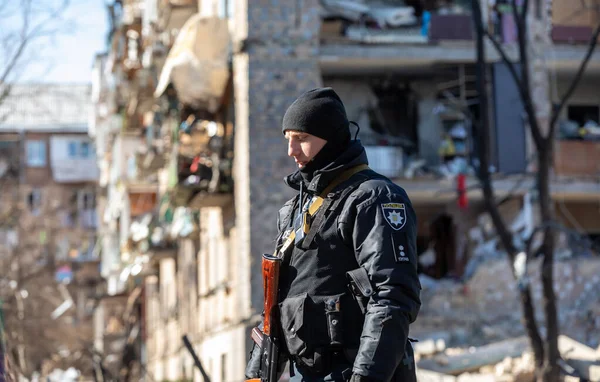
(320, 112)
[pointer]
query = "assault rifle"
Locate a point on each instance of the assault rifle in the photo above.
(268, 339)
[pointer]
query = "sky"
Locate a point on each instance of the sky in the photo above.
(73, 58)
(69, 57)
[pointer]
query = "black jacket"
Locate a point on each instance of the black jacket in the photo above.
(366, 223)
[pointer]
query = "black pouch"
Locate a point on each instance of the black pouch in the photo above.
(292, 313)
(334, 321)
(360, 287)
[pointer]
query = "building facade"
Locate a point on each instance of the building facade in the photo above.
(48, 248)
(189, 99)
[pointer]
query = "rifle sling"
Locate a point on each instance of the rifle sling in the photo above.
(318, 202)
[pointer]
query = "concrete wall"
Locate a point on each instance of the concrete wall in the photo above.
(281, 63)
(223, 357)
(275, 60)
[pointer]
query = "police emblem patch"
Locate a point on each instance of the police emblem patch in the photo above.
(394, 214)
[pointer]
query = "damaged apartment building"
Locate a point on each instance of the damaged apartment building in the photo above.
(48, 224)
(189, 98)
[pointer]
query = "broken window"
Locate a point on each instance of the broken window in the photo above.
(70, 213)
(34, 201)
(88, 200)
(80, 209)
(583, 114)
(395, 117)
(441, 249)
(87, 208)
(582, 123)
(9, 158)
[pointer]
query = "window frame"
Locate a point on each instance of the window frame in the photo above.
(36, 153)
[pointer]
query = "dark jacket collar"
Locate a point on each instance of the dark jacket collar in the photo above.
(355, 155)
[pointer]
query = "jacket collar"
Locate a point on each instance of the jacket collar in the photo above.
(355, 155)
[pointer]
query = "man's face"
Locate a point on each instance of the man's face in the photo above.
(303, 147)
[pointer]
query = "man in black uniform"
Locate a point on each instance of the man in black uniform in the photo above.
(348, 284)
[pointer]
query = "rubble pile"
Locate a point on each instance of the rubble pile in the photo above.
(461, 365)
(519, 369)
(487, 307)
(505, 361)
(483, 306)
(483, 338)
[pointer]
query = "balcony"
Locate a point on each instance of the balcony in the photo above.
(572, 23)
(88, 218)
(357, 42)
(203, 171)
(386, 160)
(352, 44)
(408, 135)
(141, 179)
(142, 199)
(156, 235)
(172, 15)
(87, 251)
(145, 163)
(362, 23)
(72, 159)
(132, 10)
(577, 158)
(571, 34)
(577, 150)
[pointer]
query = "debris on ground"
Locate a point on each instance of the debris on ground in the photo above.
(505, 361)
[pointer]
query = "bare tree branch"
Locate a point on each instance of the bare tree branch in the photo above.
(524, 11)
(582, 66)
(520, 20)
(483, 141)
(31, 30)
(6, 88)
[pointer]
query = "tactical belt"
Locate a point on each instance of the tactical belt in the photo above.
(317, 202)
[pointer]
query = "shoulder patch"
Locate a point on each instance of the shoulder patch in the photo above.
(394, 214)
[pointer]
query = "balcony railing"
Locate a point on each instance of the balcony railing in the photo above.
(88, 218)
(365, 23)
(570, 34)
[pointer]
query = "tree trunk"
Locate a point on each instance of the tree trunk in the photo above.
(536, 22)
(551, 370)
(483, 138)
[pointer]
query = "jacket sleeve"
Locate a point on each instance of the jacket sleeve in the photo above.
(381, 226)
